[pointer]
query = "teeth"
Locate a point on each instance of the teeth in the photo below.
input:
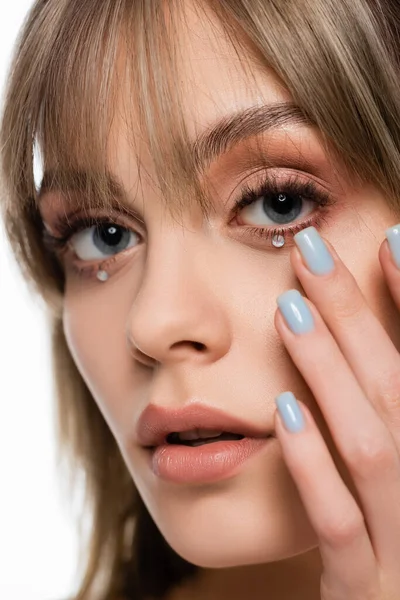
(195, 434)
(188, 435)
(208, 433)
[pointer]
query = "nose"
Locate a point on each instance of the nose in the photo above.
(178, 314)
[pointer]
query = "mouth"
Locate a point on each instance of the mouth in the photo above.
(200, 456)
(193, 424)
(199, 437)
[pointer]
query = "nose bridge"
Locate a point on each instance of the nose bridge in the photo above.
(173, 252)
(175, 311)
(172, 269)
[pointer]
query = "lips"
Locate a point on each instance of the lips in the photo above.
(156, 423)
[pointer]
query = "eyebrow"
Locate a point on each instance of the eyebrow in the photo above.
(206, 148)
(252, 121)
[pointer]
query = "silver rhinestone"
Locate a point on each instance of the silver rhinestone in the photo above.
(102, 275)
(278, 241)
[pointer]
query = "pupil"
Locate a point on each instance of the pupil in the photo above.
(110, 235)
(282, 208)
(110, 238)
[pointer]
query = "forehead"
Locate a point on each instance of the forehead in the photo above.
(215, 81)
(218, 81)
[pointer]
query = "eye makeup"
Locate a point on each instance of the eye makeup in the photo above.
(285, 188)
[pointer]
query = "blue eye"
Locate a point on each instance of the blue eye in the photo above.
(279, 201)
(102, 240)
(277, 209)
(90, 237)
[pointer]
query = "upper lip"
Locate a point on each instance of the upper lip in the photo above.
(156, 422)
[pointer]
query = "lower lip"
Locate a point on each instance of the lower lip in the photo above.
(206, 463)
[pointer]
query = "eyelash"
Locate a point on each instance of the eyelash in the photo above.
(249, 194)
(292, 186)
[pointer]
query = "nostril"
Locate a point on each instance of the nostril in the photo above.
(195, 345)
(199, 346)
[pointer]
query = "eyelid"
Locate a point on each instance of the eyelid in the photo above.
(66, 225)
(271, 182)
(276, 175)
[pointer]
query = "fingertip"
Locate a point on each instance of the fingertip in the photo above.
(296, 259)
(279, 321)
(386, 256)
(391, 245)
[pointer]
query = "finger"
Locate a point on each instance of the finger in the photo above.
(361, 437)
(350, 567)
(361, 337)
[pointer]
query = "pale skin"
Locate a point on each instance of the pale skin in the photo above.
(317, 515)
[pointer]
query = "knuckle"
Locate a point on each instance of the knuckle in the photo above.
(343, 530)
(347, 302)
(387, 396)
(345, 297)
(372, 455)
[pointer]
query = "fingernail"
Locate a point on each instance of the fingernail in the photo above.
(295, 311)
(314, 251)
(290, 411)
(393, 238)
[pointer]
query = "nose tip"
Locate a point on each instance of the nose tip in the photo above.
(182, 330)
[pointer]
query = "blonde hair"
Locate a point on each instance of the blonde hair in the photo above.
(339, 59)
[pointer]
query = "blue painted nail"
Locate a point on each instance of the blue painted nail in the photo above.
(290, 411)
(314, 251)
(393, 238)
(295, 311)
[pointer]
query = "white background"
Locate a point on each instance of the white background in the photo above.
(38, 545)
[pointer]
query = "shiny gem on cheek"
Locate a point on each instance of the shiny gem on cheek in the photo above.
(102, 275)
(278, 240)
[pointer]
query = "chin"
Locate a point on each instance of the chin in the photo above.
(220, 553)
(220, 530)
(254, 517)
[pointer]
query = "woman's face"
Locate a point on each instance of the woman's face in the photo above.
(178, 285)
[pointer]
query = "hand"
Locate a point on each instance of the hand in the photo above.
(353, 371)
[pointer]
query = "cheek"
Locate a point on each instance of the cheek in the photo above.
(79, 325)
(94, 335)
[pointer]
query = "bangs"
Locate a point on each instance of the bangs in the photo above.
(125, 63)
(128, 53)
(122, 60)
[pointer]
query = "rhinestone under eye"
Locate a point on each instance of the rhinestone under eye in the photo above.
(102, 275)
(278, 240)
